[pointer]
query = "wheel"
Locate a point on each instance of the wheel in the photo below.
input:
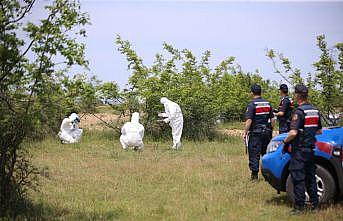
(325, 184)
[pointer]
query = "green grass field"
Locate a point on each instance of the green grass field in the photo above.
(96, 180)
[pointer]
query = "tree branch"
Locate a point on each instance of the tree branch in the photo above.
(27, 9)
(27, 49)
(5, 99)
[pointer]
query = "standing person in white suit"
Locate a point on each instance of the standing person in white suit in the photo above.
(70, 131)
(132, 133)
(173, 116)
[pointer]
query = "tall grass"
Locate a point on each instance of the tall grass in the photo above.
(96, 180)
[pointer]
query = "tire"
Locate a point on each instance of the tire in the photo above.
(325, 183)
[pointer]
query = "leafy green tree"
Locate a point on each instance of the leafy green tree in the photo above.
(329, 78)
(109, 91)
(203, 94)
(80, 93)
(31, 92)
(325, 84)
(284, 68)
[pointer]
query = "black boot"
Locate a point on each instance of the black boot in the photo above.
(254, 176)
(297, 210)
(314, 208)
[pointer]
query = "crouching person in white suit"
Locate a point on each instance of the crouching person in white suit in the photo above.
(173, 116)
(132, 134)
(70, 131)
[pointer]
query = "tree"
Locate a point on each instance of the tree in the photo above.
(109, 91)
(203, 94)
(329, 78)
(80, 93)
(31, 86)
(325, 84)
(289, 72)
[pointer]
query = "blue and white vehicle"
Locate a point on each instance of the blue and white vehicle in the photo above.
(329, 161)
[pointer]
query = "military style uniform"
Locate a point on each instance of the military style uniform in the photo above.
(306, 121)
(285, 106)
(260, 132)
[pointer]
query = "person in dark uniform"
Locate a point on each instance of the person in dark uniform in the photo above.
(258, 127)
(305, 124)
(284, 112)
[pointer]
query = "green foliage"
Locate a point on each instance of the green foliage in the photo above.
(325, 84)
(31, 92)
(288, 71)
(109, 91)
(329, 78)
(80, 93)
(203, 94)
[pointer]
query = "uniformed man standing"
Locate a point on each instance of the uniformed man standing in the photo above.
(305, 125)
(258, 126)
(284, 112)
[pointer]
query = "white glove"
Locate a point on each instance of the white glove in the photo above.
(162, 115)
(166, 120)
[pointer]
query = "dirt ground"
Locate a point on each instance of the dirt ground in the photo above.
(95, 122)
(238, 132)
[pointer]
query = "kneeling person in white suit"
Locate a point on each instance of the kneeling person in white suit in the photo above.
(132, 133)
(70, 131)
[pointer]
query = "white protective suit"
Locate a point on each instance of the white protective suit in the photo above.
(70, 131)
(173, 116)
(132, 133)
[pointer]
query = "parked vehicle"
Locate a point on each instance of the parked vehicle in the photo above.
(329, 160)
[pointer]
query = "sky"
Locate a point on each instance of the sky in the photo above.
(226, 28)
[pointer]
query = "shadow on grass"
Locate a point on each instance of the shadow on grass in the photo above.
(280, 200)
(283, 200)
(41, 212)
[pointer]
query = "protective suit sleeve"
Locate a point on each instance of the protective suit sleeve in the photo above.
(172, 112)
(123, 131)
(141, 132)
(69, 120)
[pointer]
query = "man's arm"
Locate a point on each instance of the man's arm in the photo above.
(296, 124)
(320, 127)
(247, 127)
(291, 135)
(249, 115)
(272, 122)
(271, 117)
(280, 114)
(285, 104)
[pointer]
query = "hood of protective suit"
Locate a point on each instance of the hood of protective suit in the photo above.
(135, 117)
(74, 117)
(164, 100)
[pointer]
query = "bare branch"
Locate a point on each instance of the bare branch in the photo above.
(27, 49)
(27, 9)
(278, 71)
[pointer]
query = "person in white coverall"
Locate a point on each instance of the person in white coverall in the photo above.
(70, 131)
(132, 133)
(173, 116)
